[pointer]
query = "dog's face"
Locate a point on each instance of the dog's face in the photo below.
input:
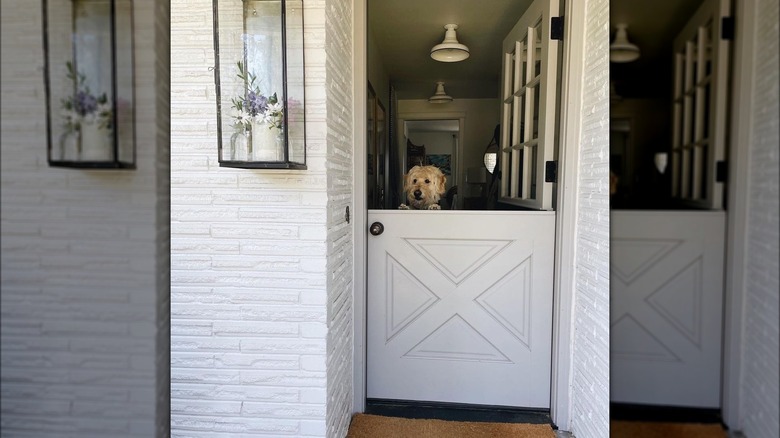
(424, 186)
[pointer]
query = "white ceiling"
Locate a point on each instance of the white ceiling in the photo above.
(405, 30)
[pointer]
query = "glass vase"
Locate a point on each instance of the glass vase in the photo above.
(239, 146)
(96, 144)
(266, 144)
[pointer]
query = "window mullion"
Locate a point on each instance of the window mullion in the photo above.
(529, 112)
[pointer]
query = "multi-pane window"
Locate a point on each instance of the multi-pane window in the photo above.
(699, 108)
(528, 112)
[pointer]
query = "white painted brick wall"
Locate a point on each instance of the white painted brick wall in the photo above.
(590, 355)
(261, 260)
(84, 255)
(760, 361)
(338, 46)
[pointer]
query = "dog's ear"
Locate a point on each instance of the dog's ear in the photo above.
(408, 177)
(442, 183)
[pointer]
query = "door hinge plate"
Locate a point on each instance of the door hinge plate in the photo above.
(551, 171)
(721, 171)
(556, 28)
(727, 28)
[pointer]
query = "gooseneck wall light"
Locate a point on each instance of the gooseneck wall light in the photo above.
(259, 76)
(88, 56)
(450, 50)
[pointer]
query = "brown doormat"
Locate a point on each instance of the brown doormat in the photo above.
(375, 426)
(649, 429)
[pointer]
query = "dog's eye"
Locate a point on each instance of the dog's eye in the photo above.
(414, 181)
(427, 181)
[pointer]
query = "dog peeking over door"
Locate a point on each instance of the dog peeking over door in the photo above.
(424, 186)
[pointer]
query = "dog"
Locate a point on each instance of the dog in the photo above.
(424, 186)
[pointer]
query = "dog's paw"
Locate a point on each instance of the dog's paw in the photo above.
(434, 207)
(403, 207)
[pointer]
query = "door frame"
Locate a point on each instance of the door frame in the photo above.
(572, 94)
(741, 96)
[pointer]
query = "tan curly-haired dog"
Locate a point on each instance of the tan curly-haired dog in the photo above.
(424, 186)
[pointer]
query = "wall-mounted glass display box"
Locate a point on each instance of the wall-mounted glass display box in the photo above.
(88, 51)
(259, 76)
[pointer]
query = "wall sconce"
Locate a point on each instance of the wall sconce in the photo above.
(661, 159)
(259, 76)
(90, 102)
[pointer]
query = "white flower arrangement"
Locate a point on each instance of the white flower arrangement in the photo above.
(254, 107)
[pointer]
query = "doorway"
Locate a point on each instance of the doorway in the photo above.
(573, 68)
(457, 296)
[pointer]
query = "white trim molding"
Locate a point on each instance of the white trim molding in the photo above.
(572, 71)
(736, 221)
(359, 213)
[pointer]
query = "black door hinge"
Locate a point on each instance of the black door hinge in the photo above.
(551, 171)
(556, 28)
(721, 171)
(727, 28)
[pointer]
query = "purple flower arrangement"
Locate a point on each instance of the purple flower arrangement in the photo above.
(84, 106)
(254, 107)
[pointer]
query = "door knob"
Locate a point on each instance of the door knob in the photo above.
(376, 228)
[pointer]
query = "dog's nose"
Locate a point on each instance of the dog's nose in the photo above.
(417, 194)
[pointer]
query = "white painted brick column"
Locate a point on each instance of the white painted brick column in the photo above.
(261, 260)
(760, 386)
(590, 355)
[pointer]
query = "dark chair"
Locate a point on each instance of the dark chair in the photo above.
(451, 197)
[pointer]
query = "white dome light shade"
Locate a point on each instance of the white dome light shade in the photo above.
(450, 50)
(621, 50)
(440, 96)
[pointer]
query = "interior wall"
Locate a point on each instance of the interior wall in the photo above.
(760, 393)
(84, 254)
(377, 75)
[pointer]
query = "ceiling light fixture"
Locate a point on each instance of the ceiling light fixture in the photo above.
(622, 50)
(440, 96)
(450, 50)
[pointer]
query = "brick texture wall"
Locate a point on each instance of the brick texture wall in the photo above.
(84, 255)
(338, 47)
(261, 260)
(760, 362)
(590, 356)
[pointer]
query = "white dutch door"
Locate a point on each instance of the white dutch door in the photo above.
(667, 266)
(666, 307)
(459, 305)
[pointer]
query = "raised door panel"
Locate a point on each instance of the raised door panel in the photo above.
(666, 307)
(460, 307)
